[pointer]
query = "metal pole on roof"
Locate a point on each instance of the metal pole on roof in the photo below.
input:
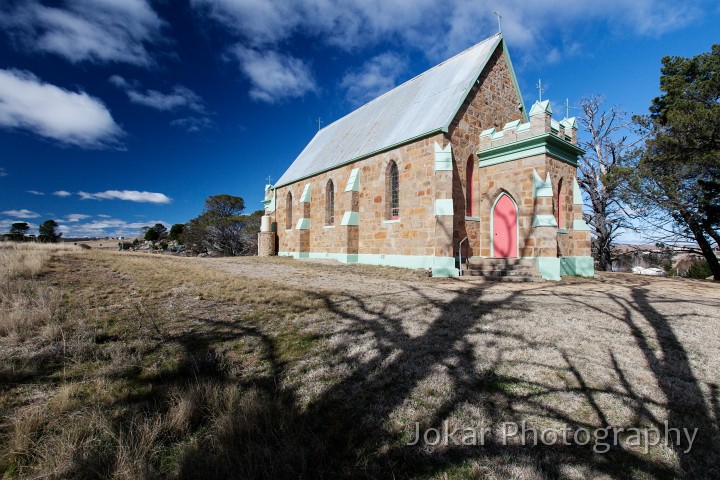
(497, 13)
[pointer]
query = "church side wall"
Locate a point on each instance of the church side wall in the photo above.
(491, 103)
(413, 234)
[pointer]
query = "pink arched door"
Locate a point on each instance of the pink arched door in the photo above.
(505, 228)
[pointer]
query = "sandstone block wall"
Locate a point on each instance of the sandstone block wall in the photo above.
(413, 234)
(492, 102)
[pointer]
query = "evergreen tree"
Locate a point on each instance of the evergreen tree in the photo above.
(676, 182)
(48, 232)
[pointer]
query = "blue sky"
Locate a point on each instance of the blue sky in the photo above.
(116, 114)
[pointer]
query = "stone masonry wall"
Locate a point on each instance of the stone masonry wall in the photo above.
(413, 234)
(492, 102)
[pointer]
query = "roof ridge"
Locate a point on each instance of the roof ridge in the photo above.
(425, 72)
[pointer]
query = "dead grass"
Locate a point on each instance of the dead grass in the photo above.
(161, 367)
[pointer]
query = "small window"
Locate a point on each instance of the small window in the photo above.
(288, 211)
(470, 179)
(559, 209)
(330, 203)
(393, 191)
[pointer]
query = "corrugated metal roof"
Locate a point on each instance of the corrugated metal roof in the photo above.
(424, 104)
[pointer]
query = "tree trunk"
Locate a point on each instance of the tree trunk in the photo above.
(705, 247)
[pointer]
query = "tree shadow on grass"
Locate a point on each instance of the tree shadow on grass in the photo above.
(344, 432)
(258, 427)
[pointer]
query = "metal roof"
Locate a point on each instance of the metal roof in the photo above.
(422, 105)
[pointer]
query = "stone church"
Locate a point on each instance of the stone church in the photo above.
(446, 172)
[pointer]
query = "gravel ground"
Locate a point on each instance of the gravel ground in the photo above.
(619, 351)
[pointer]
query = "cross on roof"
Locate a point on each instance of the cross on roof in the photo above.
(499, 17)
(269, 180)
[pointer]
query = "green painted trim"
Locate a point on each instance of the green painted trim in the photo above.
(305, 197)
(523, 127)
(549, 267)
(569, 123)
(392, 221)
(580, 226)
(541, 188)
(544, 221)
(577, 193)
(443, 157)
(303, 224)
(512, 156)
(472, 219)
(340, 257)
(269, 204)
(488, 132)
(364, 156)
(562, 231)
(328, 226)
(584, 266)
(351, 219)
(441, 266)
(554, 126)
(541, 107)
(514, 79)
(539, 144)
(444, 207)
(512, 125)
(353, 184)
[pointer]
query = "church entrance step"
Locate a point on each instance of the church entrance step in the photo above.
(505, 269)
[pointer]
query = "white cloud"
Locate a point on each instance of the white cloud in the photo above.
(5, 225)
(107, 227)
(192, 124)
(35, 192)
(3, 172)
(441, 31)
(274, 76)
(180, 97)
(377, 76)
(62, 193)
(76, 217)
(52, 112)
(129, 195)
(22, 213)
(100, 31)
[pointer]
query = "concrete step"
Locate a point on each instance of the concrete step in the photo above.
(505, 269)
(501, 261)
(503, 277)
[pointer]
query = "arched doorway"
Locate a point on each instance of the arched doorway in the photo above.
(504, 220)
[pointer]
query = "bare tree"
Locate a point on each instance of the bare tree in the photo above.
(607, 146)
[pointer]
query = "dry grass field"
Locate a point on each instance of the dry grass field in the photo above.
(134, 366)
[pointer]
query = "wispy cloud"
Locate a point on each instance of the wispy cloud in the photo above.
(350, 25)
(3, 172)
(22, 213)
(74, 118)
(178, 98)
(76, 217)
(100, 31)
(129, 195)
(274, 76)
(35, 192)
(107, 227)
(192, 124)
(377, 76)
(62, 193)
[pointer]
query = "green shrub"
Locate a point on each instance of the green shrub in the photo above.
(700, 269)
